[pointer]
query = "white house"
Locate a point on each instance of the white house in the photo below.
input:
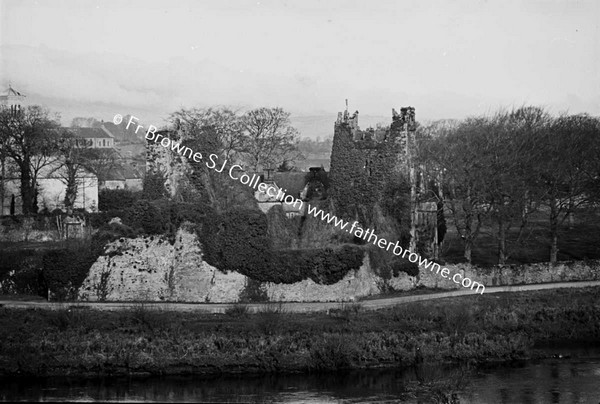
(97, 138)
(51, 190)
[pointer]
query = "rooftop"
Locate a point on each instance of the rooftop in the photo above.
(11, 92)
(91, 133)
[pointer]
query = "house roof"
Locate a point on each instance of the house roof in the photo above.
(122, 174)
(119, 132)
(11, 91)
(91, 133)
(292, 182)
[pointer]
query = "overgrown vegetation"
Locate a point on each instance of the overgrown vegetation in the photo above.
(474, 328)
(238, 241)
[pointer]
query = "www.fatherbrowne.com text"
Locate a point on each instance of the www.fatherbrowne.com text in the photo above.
(237, 173)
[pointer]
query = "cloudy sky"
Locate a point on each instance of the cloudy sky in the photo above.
(449, 59)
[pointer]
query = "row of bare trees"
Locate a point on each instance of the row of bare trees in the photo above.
(505, 167)
(32, 142)
(259, 138)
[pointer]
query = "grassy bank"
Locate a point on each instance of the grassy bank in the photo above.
(471, 328)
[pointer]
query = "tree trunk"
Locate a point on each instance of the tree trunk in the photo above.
(502, 257)
(2, 185)
(468, 249)
(467, 236)
(27, 191)
(413, 210)
(553, 232)
(71, 191)
(413, 194)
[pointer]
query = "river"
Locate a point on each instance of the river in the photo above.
(572, 378)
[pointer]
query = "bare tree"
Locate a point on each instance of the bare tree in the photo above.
(270, 139)
(509, 166)
(224, 123)
(30, 140)
(566, 169)
(453, 154)
(75, 158)
(100, 162)
(3, 170)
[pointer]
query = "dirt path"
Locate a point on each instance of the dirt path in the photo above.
(288, 307)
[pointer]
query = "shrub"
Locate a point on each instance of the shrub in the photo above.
(195, 213)
(411, 268)
(253, 292)
(237, 310)
(333, 352)
(117, 199)
(154, 186)
(99, 219)
(270, 317)
(20, 272)
(238, 241)
(65, 318)
(282, 231)
(109, 233)
(324, 266)
(150, 218)
(387, 264)
(65, 269)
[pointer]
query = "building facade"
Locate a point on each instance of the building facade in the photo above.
(51, 189)
(96, 138)
(12, 99)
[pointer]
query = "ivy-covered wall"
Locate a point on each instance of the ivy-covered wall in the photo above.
(363, 163)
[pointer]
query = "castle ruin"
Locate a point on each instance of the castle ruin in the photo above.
(363, 162)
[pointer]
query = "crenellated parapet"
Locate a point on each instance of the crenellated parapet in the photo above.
(406, 118)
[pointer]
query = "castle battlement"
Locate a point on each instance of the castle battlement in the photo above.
(374, 137)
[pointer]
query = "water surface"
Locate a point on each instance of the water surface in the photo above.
(571, 379)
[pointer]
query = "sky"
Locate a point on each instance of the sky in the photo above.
(448, 59)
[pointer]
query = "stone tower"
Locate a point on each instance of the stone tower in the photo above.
(363, 162)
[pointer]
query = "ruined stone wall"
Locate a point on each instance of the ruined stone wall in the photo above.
(517, 274)
(162, 160)
(151, 269)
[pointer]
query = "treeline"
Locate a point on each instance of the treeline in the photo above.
(317, 146)
(259, 138)
(502, 169)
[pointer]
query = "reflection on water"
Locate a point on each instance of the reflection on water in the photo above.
(575, 379)
(567, 380)
(269, 388)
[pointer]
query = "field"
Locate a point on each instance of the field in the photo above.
(581, 241)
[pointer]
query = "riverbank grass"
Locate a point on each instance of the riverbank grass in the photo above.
(496, 327)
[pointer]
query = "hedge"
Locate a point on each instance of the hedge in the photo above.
(237, 240)
(116, 199)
